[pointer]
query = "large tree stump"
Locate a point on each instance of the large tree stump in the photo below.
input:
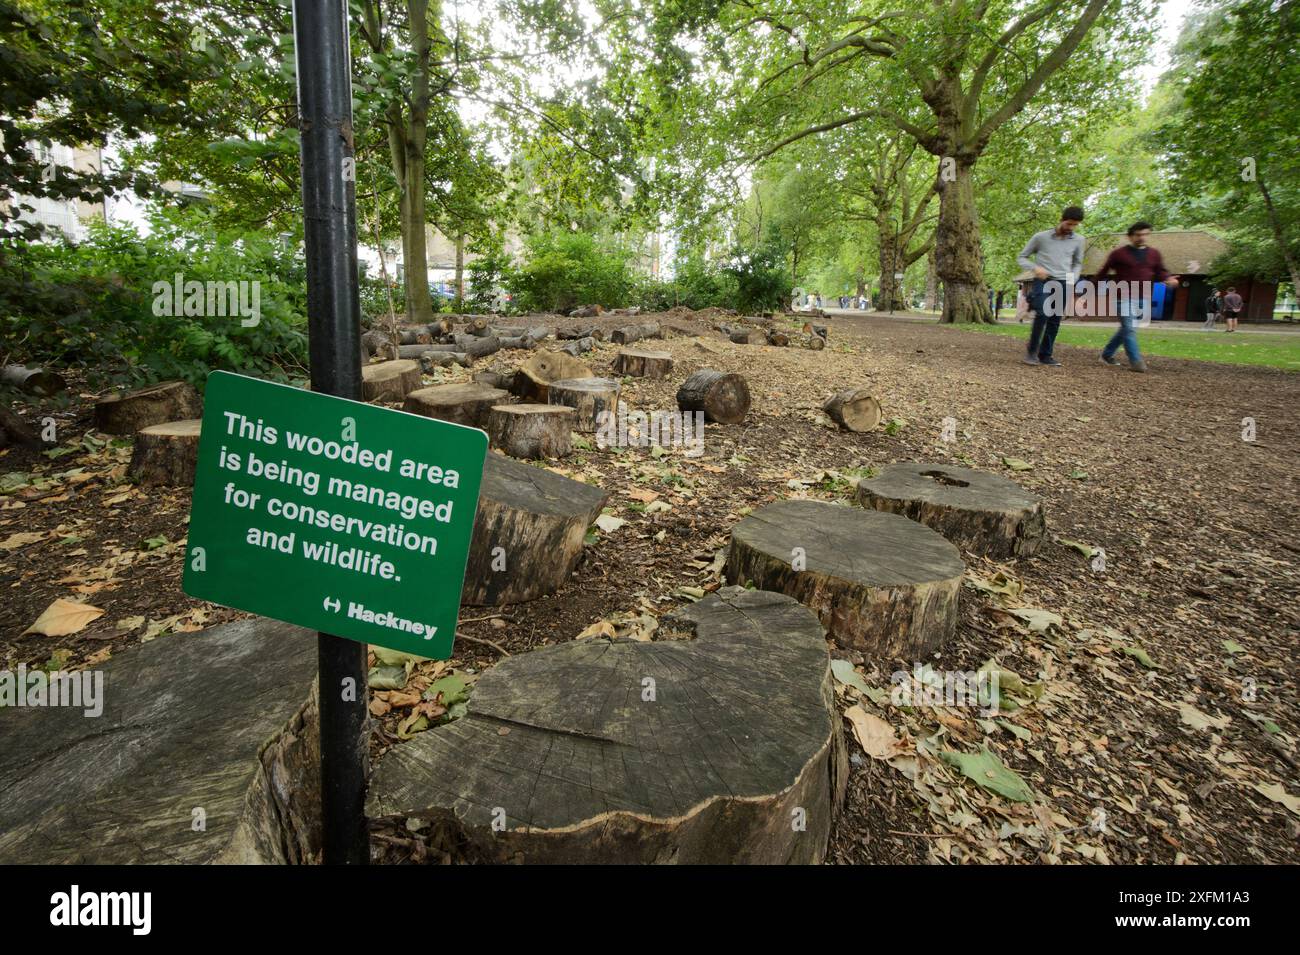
(722, 749)
(222, 722)
(166, 401)
(643, 363)
(463, 403)
(390, 380)
(879, 582)
(529, 430)
(166, 453)
(722, 398)
(982, 512)
(854, 408)
(533, 378)
(528, 532)
(588, 397)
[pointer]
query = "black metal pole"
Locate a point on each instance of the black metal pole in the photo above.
(334, 337)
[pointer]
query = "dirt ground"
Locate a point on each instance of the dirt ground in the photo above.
(1158, 720)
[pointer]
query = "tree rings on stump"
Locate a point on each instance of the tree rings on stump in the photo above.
(681, 751)
(533, 378)
(879, 582)
(166, 401)
(465, 403)
(722, 398)
(854, 408)
(390, 380)
(532, 431)
(982, 512)
(166, 453)
(590, 398)
(643, 363)
(528, 532)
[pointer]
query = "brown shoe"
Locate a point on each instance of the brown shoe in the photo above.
(1138, 366)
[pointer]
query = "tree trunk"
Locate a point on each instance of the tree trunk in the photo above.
(1282, 246)
(460, 269)
(415, 252)
(931, 284)
(957, 251)
(891, 298)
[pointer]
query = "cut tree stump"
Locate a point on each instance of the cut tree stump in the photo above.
(529, 430)
(222, 721)
(854, 408)
(528, 532)
(533, 378)
(643, 363)
(390, 380)
(463, 403)
(979, 511)
(588, 397)
(722, 398)
(166, 453)
(166, 401)
(739, 739)
(880, 583)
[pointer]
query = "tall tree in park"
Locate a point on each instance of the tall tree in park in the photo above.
(961, 72)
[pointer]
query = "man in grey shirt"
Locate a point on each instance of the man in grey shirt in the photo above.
(1056, 257)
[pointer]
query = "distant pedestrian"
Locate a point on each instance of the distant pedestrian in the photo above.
(1055, 256)
(1232, 305)
(1137, 268)
(1022, 302)
(1213, 305)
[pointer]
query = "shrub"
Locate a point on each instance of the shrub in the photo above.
(562, 270)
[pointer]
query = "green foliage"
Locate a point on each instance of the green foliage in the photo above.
(562, 270)
(93, 305)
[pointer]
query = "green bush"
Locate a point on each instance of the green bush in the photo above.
(562, 270)
(103, 305)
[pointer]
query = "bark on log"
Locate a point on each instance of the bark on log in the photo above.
(224, 720)
(441, 327)
(777, 338)
(531, 430)
(13, 430)
(416, 336)
(810, 329)
(375, 341)
(722, 398)
(590, 398)
(586, 311)
(879, 583)
(33, 381)
(533, 378)
(578, 347)
(982, 512)
(538, 333)
(444, 359)
(477, 326)
(166, 453)
(495, 379)
(578, 331)
(506, 331)
(466, 404)
(519, 343)
(814, 342)
(742, 736)
(390, 380)
(745, 336)
(634, 333)
(477, 347)
(854, 408)
(643, 363)
(166, 401)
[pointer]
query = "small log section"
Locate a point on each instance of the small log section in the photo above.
(742, 733)
(722, 398)
(538, 520)
(33, 381)
(166, 453)
(466, 403)
(13, 430)
(529, 430)
(224, 719)
(643, 363)
(390, 380)
(854, 409)
(982, 512)
(634, 333)
(879, 583)
(166, 401)
(533, 378)
(588, 397)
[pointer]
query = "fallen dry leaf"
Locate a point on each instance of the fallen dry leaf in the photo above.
(62, 618)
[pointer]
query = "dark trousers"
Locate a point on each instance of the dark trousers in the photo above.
(1047, 300)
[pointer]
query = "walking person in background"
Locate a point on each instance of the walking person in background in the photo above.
(1022, 303)
(1136, 267)
(1213, 305)
(1232, 305)
(1055, 256)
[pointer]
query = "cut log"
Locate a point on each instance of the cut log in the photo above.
(166, 401)
(375, 341)
(722, 398)
(810, 329)
(528, 532)
(416, 336)
(444, 359)
(521, 342)
(477, 326)
(533, 378)
(979, 511)
(634, 333)
(506, 331)
(777, 338)
(579, 347)
(467, 404)
(814, 342)
(745, 336)
(390, 380)
(33, 381)
(854, 408)
(222, 721)
(591, 398)
(441, 327)
(419, 351)
(586, 311)
(879, 583)
(495, 379)
(578, 331)
(166, 453)
(13, 430)
(643, 363)
(476, 346)
(538, 333)
(722, 749)
(531, 430)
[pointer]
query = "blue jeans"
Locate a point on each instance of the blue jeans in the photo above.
(1130, 313)
(1046, 299)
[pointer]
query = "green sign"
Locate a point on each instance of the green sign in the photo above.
(340, 516)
